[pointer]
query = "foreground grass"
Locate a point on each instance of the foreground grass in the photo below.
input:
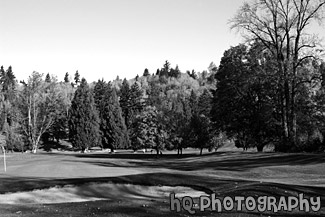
(223, 173)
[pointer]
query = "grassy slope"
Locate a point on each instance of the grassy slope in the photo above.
(226, 173)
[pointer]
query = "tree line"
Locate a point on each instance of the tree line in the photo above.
(267, 91)
(164, 110)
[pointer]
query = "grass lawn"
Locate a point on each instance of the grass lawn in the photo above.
(226, 173)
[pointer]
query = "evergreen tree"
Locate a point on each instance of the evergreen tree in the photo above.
(77, 78)
(2, 73)
(131, 102)
(175, 72)
(100, 90)
(7, 79)
(112, 125)
(148, 131)
(154, 98)
(48, 78)
(165, 70)
(146, 73)
(136, 98)
(8, 87)
(83, 119)
(193, 75)
(204, 104)
(114, 131)
(8, 83)
(193, 102)
(125, 98)
(66, 77)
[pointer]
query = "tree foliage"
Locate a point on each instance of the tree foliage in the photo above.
(244, 98)
(112, 126)
(148, 131)
(282, 27)
(83, 119)
(39, 102)
(66, 78)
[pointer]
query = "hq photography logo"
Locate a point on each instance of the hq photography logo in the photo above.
(240, 203)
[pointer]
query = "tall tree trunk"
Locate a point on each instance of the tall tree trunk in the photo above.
(285, 127)
(287, 114)
(284, 101)
(35, 144)
(294, 118)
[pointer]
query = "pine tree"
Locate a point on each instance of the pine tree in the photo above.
(148, 131)
(77, 78)
(125, 98)
(204, 104)
(130, 101)
(136, 98)
(99, 94)
(8, 82)
(175, 72)
(154, 98)
(193, 75)
(48, 78)
(146, 73)
(114, 131)
(8, 87)
(66, 77)
(83, 119)
(112, 125)
(193, 102)
(2, 71)
(165, 70)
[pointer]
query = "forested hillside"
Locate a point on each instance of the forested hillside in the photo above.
(162, 110)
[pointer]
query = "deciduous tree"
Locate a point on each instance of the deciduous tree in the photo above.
(38, 103)
(282, 26)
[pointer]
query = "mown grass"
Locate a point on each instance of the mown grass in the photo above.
(227, 173)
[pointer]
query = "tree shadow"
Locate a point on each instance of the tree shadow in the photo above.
(233, 161)
(222, 188)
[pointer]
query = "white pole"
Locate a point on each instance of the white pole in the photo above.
(4, 160)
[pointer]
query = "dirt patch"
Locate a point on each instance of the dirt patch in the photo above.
(95, 192)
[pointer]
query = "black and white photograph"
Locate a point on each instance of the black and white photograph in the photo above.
(122, 108)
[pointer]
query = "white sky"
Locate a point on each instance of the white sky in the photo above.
(106, 38)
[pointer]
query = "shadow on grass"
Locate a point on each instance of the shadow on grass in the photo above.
(222, 188)
(206, 184)
(228, 161)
